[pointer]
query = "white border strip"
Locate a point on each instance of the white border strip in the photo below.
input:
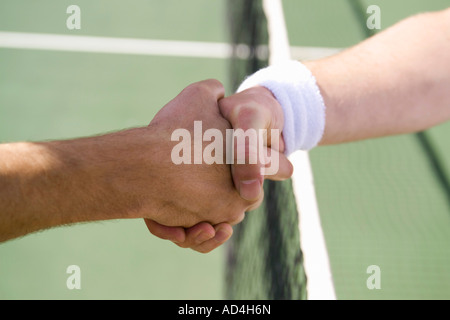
(317, 266)
(131, 46)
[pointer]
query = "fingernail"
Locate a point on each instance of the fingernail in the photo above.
(250, 189)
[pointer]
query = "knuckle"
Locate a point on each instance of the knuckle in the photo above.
(245, 111)
(214, 83)
(263, 95)
(195, 88)
(205, 86)
(226, 105)
(206, 90)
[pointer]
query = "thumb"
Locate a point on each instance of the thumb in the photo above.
(257, 120)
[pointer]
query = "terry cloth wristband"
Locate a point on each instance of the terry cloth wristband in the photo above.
(295, 88)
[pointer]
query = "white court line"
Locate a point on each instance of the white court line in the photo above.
(132, 46)
(92, 44)
(320, 284)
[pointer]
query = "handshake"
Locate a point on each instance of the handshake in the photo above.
(191, 174)
(209, 158)
(211, 181)
(200, 164)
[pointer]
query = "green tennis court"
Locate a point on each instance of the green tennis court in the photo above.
(380, 202)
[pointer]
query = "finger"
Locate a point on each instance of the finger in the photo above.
(198, 234)
(174, 234)
(255, 204)
(248, 144)
(244, 113)
(248, 180)
(215, 88)
(184, 238)
(277, 166)
(255, 117)
(254, 108)
(223, 232)
(191, 98)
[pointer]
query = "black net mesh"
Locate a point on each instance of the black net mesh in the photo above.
(264, 259)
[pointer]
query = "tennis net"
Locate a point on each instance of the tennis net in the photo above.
(265, 258)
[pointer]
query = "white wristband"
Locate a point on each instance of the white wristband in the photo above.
(295, 88)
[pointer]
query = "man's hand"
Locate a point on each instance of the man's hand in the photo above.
(123, 175)
(200, 197)
(256, 108)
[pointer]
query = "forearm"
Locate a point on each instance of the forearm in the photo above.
(44, 185)
(127, 175)
(396, 82)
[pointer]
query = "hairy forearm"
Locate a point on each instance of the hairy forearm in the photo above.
(393, 83)
(128, 174)
(44, 185)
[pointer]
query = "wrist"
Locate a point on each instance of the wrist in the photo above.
(117, 174)
(100, 178)
(27, 191)
(45, 185)
(295, 88)
(332, 79)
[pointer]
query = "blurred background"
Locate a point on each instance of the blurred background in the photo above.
(380, 201)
